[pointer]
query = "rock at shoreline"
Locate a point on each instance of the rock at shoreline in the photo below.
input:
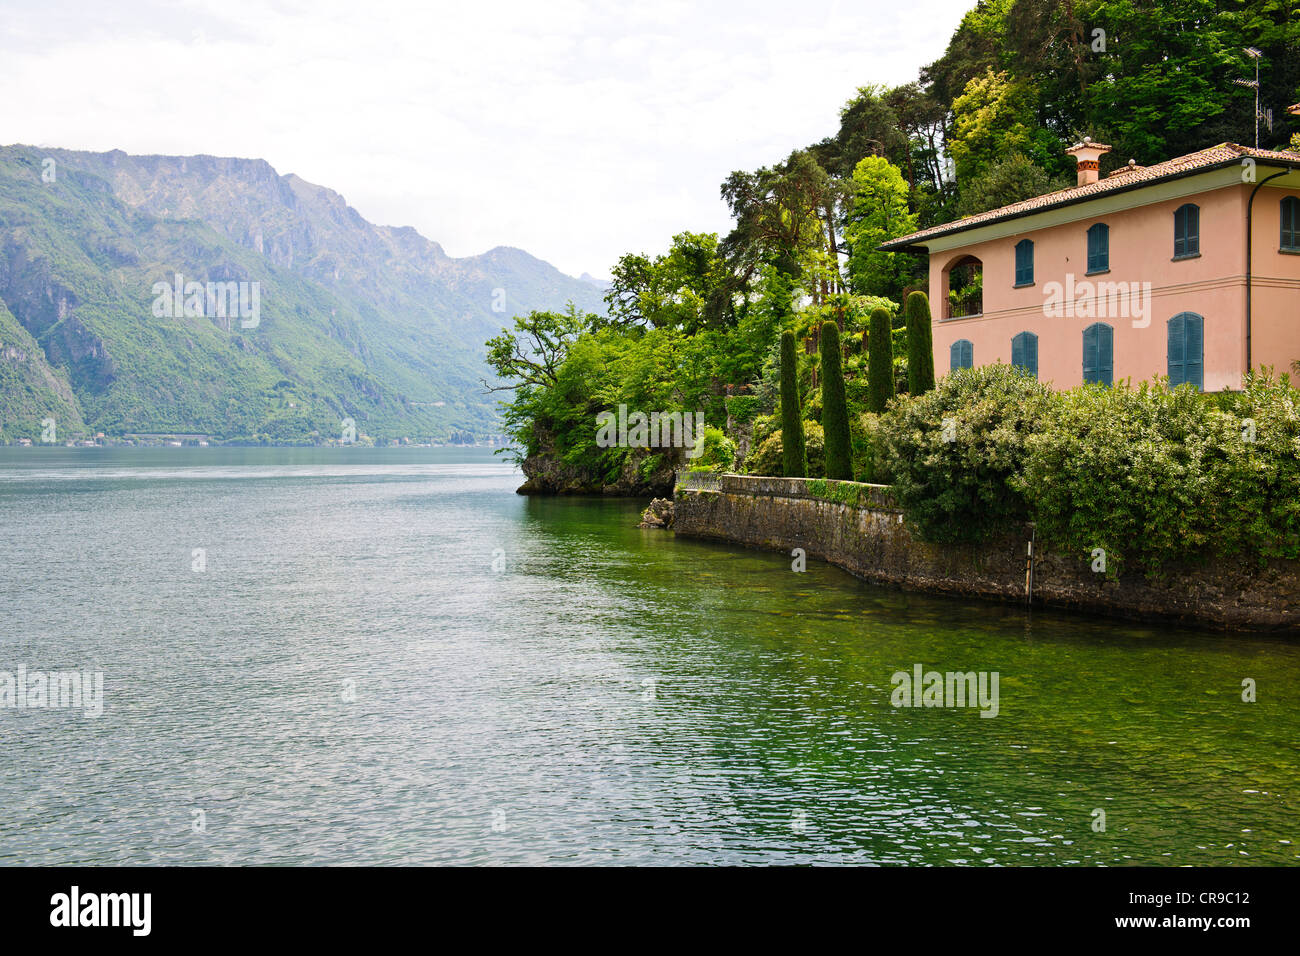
(549, 474)
(658, 515)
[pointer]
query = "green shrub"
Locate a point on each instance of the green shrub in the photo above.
(960, 489)
(864, 438)
(1152, 475)
(1124, 470)
(835, 412)
(717, 454)
(743, 408)
(815, 446)
(766, 459)
(1256, 469)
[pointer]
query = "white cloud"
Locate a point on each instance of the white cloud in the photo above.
(573, 129)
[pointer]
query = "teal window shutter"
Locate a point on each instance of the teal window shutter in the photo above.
(1098, 354)
(1186, 348)
(1187, 230)
(1193, 357)
(1291, 224)
(961, 354)
(1098, 247)
(1175, 346)
(1024, 352)
(1025, 262)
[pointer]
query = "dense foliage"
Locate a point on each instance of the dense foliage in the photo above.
(951, 454)
(1150, 474)
(1147, 474)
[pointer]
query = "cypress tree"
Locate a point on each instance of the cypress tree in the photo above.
(920, 345)
(835, 410)
(880, 361)
(793, 458)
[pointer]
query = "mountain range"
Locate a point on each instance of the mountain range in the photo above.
(348, 320)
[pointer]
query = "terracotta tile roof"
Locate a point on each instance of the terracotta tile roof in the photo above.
(1089, 144)
(1222, 155)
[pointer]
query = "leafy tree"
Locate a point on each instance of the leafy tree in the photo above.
(835, 412)
(879, 213)
(993, 116)
(1166, 76)
(880, 361)
(1010, 180)
(975, 47)
(687, 288)
(781, 215)
(793, 457)
(533, 353)
(869, 126)
(920, 345)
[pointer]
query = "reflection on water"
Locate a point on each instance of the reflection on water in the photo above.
(351, 681)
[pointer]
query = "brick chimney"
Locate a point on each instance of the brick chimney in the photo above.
(1088, 155)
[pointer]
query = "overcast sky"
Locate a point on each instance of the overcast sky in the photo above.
(575, 130)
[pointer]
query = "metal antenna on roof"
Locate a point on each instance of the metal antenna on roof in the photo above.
(1255, 54)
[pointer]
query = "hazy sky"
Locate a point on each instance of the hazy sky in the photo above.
(573, 129)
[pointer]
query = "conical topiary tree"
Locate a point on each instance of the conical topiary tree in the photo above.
(920, 345)
(794, 461)
(835, 409)
(880, 360)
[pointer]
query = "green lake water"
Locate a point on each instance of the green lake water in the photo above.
(389, 657)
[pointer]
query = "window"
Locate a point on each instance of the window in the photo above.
(1024, 262)
(1291, 224)
(1186, 349)
(1024, 352)
(1098, 248)
(1098, 353)
(1187, 231)
(961, 354)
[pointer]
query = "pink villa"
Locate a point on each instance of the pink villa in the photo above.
(1189, 268)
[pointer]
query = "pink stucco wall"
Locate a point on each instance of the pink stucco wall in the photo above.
(1141, 251)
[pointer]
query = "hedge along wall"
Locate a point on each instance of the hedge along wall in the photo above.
(860, 528)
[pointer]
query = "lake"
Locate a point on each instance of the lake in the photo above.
(355, 656)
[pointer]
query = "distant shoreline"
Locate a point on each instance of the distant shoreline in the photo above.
(237, 444)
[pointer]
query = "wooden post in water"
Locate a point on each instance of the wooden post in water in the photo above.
(1029, 566)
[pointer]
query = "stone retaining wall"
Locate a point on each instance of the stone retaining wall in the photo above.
(860, 528)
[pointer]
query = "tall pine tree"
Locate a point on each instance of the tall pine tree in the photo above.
(835, 409)
(920, 345)
(880, 361)
(794, 461)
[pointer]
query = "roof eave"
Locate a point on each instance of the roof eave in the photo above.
(904, 244)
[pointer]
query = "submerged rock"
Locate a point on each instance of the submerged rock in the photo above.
(658, 515)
